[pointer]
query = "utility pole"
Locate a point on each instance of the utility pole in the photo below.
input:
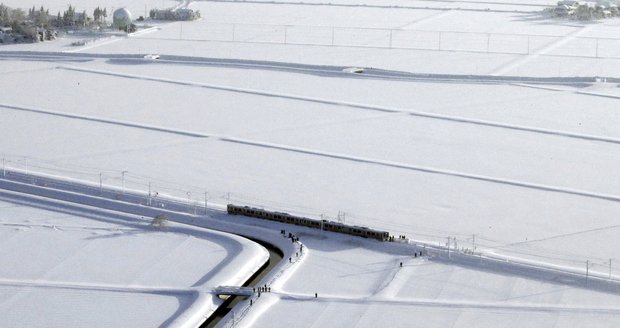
(596, 47)
(528, 44)
(189, 209)
(488, 41)
(587, 270)
(206, 197)
(473, 242)
(149, 200)
(123, 181)
(448, 244)
(100, 184)
(439, 47)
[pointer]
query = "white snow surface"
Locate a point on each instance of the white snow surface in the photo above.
(362, 284)
(107, 269)
(244, 106)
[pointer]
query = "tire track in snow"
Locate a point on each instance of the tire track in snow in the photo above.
(558, 89)
(113, 39)
(384, 109)
(507, 306)
(570, 234)
(97, 43)
(96, 287)
(106, 121)
(553, 45)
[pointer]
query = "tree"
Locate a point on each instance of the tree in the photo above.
(68, 17)
(5, 16)
(41, 18)
(17, 15)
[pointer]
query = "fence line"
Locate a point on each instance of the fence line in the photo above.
(384, 38)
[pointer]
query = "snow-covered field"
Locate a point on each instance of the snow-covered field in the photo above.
(79, 266)
(251, 104)
(367, 287)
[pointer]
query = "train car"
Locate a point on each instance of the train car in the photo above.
(339, 227)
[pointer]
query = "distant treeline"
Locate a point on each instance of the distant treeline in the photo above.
(38, 25)
(41, 17)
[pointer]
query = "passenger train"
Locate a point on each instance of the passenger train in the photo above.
(312, 223)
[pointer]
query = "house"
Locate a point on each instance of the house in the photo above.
(181, 14)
